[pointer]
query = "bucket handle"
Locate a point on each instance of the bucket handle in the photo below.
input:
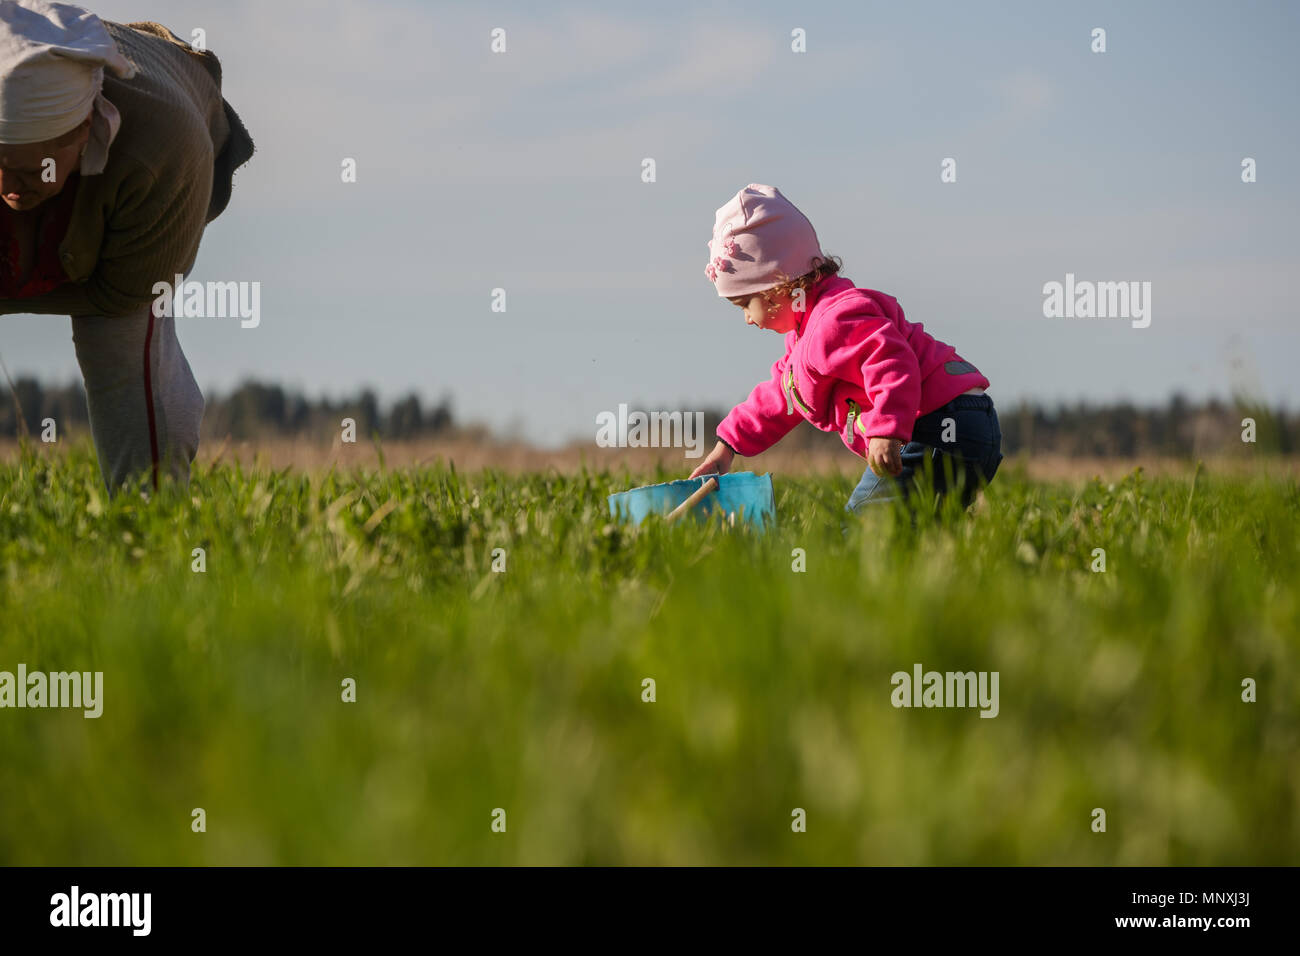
(696, 497)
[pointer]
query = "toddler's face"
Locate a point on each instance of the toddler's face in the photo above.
(781, 318)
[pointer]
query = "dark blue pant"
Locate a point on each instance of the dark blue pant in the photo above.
(964, 464)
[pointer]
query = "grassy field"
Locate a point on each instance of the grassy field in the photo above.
(523, 689)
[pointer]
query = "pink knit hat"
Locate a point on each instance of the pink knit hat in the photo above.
(759, 240)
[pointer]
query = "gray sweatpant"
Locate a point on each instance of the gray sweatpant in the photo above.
(145, 406)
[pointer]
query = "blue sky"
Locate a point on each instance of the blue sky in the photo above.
(522, 171)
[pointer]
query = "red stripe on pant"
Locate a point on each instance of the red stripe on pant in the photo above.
(148, 399)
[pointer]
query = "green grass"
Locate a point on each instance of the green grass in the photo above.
(523, 690)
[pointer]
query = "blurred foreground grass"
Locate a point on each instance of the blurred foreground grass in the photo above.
(522, 690)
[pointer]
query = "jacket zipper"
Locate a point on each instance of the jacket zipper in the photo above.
(848, 425)
(792, 396)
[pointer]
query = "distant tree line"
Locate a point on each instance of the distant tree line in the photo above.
(1178, 429)
(257, 410)
(254, 410)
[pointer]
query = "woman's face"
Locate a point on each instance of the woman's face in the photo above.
(781, 318)
(24, 180)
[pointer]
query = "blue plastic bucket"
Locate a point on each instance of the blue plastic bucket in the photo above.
(742, 489)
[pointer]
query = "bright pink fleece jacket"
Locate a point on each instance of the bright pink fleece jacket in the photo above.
(854, 365)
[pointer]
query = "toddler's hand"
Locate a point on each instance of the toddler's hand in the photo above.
(883, 456)
(717, 463)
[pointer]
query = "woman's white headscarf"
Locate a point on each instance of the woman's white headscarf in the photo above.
(52, 60)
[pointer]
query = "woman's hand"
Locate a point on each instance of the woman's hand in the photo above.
(717, 463)
(883, 456)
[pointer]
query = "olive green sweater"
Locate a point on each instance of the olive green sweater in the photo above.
(168, 175)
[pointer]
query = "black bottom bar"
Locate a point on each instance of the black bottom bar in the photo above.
(334, 905)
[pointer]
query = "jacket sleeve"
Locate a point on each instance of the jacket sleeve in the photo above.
(879, 357)
(761, 420)
(152, 234)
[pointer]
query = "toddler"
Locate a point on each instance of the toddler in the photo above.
(898, 397)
